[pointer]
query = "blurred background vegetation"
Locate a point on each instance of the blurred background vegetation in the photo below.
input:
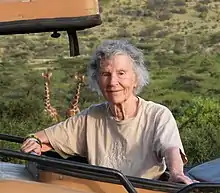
(181, 43)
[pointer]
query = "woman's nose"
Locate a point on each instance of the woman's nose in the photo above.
(113, 79)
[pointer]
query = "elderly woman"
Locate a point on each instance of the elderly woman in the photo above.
(138, 137)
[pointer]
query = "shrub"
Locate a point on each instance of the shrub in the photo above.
(149, 31)
(201, 8)
(199, 127)
(186, 83)
(162, 34)
(178, 10)
(164, 15)
(179, 3)
(205, 1)
(157, 4)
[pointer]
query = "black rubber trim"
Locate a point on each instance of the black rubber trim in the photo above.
(49, 25)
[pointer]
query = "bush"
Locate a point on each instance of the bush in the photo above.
(214, 38)
(201, 8)
(205, 1)
(162, 34)
(149, 31)
(179, 3)
(157, 4)
(186, 83)
(199, 127)
(164, 15)
(178, 10)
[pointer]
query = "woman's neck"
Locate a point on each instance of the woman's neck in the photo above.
(125, 110)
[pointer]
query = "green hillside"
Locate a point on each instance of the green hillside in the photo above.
(181, 42)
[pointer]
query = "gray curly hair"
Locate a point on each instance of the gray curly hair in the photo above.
(109, 48)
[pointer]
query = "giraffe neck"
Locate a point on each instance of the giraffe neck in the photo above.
(47, 96)
(75, 100)
(74, 104)
(47, 106)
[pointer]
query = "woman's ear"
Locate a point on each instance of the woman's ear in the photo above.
(135, 81)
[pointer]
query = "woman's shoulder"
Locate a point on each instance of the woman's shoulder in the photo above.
(154, 107)
(94, 109)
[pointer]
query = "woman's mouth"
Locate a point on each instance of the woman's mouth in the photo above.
(112, 91)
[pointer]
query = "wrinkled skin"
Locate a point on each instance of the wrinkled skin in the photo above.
(117, 81)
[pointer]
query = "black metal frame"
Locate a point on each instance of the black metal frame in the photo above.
(86, 171)
(197, 187)
(71, 166)
(11, 138)
(136, 182)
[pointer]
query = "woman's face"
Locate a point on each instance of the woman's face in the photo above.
(117, 79)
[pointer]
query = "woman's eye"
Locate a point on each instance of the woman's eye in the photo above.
(104, 74)
(121, 73)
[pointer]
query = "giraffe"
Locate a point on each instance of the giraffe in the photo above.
(47, 106)
(74, 104)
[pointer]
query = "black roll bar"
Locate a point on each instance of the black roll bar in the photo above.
(11, 138)
(200, 186)
(73, 165)
(73, 43)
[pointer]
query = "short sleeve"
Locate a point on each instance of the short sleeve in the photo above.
(167, 134)
(69, 137)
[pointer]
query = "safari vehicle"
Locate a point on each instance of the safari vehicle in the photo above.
(51, 173)
(35, 16)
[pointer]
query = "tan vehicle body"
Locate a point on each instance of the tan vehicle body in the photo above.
(36, 16)
(28, 178)
(67, 185)
(14, 10)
